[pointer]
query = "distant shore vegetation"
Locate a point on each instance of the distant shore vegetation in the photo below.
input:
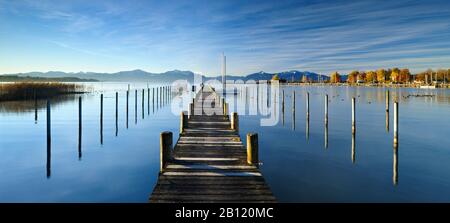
(17, 91)
(393, 76)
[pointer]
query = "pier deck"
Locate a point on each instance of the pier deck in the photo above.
(209, 161)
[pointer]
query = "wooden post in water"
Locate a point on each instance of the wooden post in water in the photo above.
(160, 97)
(153, 100)
(387, 110)
(326, 109)
(148, 101)
(35, 107)
(49, 139)
(117, 113)
(282, 102)
(165, 149)
(101, 119)
(135, 106)
(143, 99)
(395, 123)
(293, 110)
(128, 94)
(387, 100)
(235, 121)
(353, 116)
(79, 127)
(307, 105)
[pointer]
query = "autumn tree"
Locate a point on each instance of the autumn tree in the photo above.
(395, 75)
(335, 77)
(370, 76)
(404, 75)
(275, 77)
(361, 76)
(381, 75)
(352, 76)
(441, 73)
(304, 79)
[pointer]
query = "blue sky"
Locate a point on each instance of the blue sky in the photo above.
(156, 36)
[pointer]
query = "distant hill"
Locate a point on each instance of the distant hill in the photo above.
(16, 78)
(169, 76)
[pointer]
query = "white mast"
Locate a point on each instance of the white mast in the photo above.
(224, 72)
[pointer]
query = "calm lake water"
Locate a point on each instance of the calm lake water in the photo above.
(299, 165)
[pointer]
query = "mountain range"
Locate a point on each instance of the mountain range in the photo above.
(169, 76)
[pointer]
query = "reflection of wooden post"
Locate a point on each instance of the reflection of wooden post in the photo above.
(353, 148)
(165, 148)
(395, 165)
(353, 116)
(235, 121)
(49, 139)
(252, 149)
(395, 123)
(153, 100)
(148, 101)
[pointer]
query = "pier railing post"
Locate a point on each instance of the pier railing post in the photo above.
(234, 121)
(252, 149)
(182, 121)
(165, 149)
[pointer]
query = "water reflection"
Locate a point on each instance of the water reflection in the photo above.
(49, 140)
(353, 147)
(395, 165)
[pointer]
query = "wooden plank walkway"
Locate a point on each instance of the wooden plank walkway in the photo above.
(209, 162)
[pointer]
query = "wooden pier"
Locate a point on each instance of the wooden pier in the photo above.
(209, 163)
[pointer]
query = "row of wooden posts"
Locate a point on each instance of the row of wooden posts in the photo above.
(163, 96)
(166, 137)
(353, 105)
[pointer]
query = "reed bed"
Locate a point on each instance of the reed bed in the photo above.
(19, 91)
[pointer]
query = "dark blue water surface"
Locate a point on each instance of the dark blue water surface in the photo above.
(297, 167)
